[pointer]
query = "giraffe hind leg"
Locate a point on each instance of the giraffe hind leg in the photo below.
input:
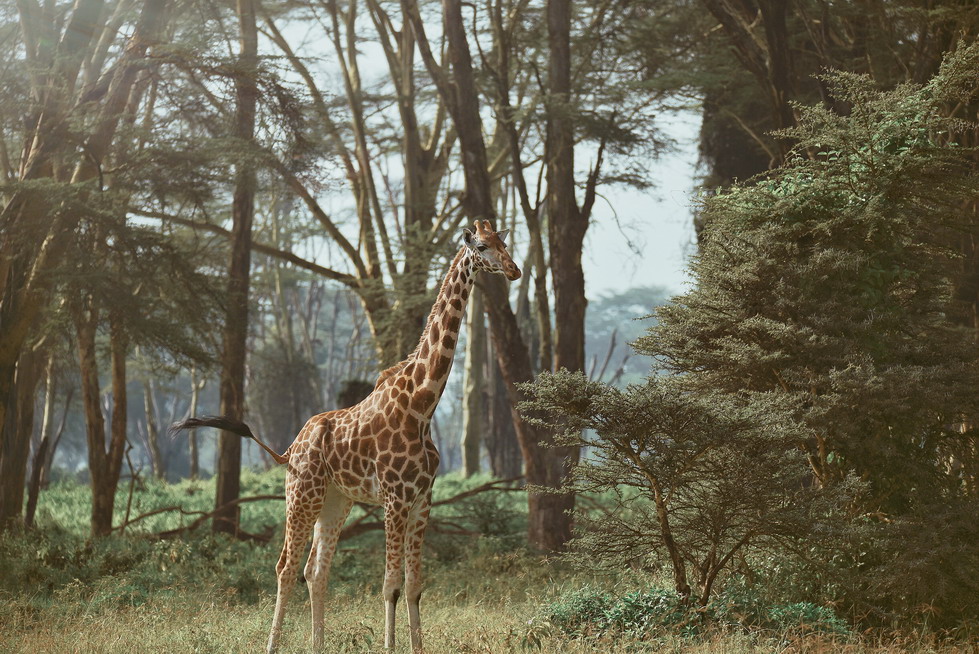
(300, 517)
(336, 506)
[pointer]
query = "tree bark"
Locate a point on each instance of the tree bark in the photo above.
(152, 433)
(550, 520)
(505, 459)
(236, 322)
(43, 445)
(104, 464)
(473, 402)
(33, 238)
(195, 393)
(549, 527)
(18, 432)
(567, 226)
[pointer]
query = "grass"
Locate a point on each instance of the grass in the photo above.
(61, 593)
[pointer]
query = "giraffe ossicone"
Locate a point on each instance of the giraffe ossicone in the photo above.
(379, 452)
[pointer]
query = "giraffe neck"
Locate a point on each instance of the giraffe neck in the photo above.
(433, 356)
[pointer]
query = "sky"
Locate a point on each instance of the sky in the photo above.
(643, 237)
(636, 237)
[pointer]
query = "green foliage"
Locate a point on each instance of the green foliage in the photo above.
(61, 592)
(580, 611)
(654, 613)
(743, 605)
(828, 285)
(692, 480)
(817, 383)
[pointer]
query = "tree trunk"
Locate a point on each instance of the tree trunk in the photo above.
(680, 583)
(16, 447)
(152, 433)
(43, 445)
(236, 323)
(86, 319)
(31, 242)
(473, 404)
(501, 439)
(195, 393)
(119, 348)
(567, 226)
(550, 522)
(549, 527)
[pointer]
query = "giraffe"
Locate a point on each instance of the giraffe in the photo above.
(378, 452)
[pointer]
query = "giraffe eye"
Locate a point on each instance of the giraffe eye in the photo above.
(481, 247)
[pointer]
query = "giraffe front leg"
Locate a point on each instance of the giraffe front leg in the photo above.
(413, 570)
(336, 506)
(395, 522)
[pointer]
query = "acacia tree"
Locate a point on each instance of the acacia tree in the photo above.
(828, 286)
(698, 480)
(232, 388)
(73, 98)
(545, 466)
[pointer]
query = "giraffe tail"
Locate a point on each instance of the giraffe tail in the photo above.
(227, 424)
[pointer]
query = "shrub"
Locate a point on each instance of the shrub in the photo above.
(581, 611)
(655, 613)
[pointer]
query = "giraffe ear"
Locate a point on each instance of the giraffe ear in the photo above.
(467, 236)
(503, 234)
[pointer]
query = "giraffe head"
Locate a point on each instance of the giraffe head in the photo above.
(490, 250)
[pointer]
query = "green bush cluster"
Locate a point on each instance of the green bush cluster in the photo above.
(656, 612)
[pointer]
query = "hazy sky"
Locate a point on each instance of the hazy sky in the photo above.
(648, 236)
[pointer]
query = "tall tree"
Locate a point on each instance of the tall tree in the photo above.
(473, 408)
(236, 317)
(827, 287)
(38, 225)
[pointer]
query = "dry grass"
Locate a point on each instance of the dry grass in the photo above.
(457, 623)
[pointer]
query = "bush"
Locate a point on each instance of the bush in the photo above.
(581, 611)
(654, 613)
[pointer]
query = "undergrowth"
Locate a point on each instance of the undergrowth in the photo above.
(61, 591)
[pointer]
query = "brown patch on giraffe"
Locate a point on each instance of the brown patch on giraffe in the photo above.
(422, 400)
(433, 334)
(448, 342)
(452, 324)
(401, 383)
(465, 294)
(399, 461)
(398, 445)
(419, 375)
(424, 350)
(441, 367)
(414, 448)
(456, 304)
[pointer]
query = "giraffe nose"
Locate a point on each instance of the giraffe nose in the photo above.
(512, 272)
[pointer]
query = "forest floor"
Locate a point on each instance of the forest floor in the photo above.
(60, 592)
